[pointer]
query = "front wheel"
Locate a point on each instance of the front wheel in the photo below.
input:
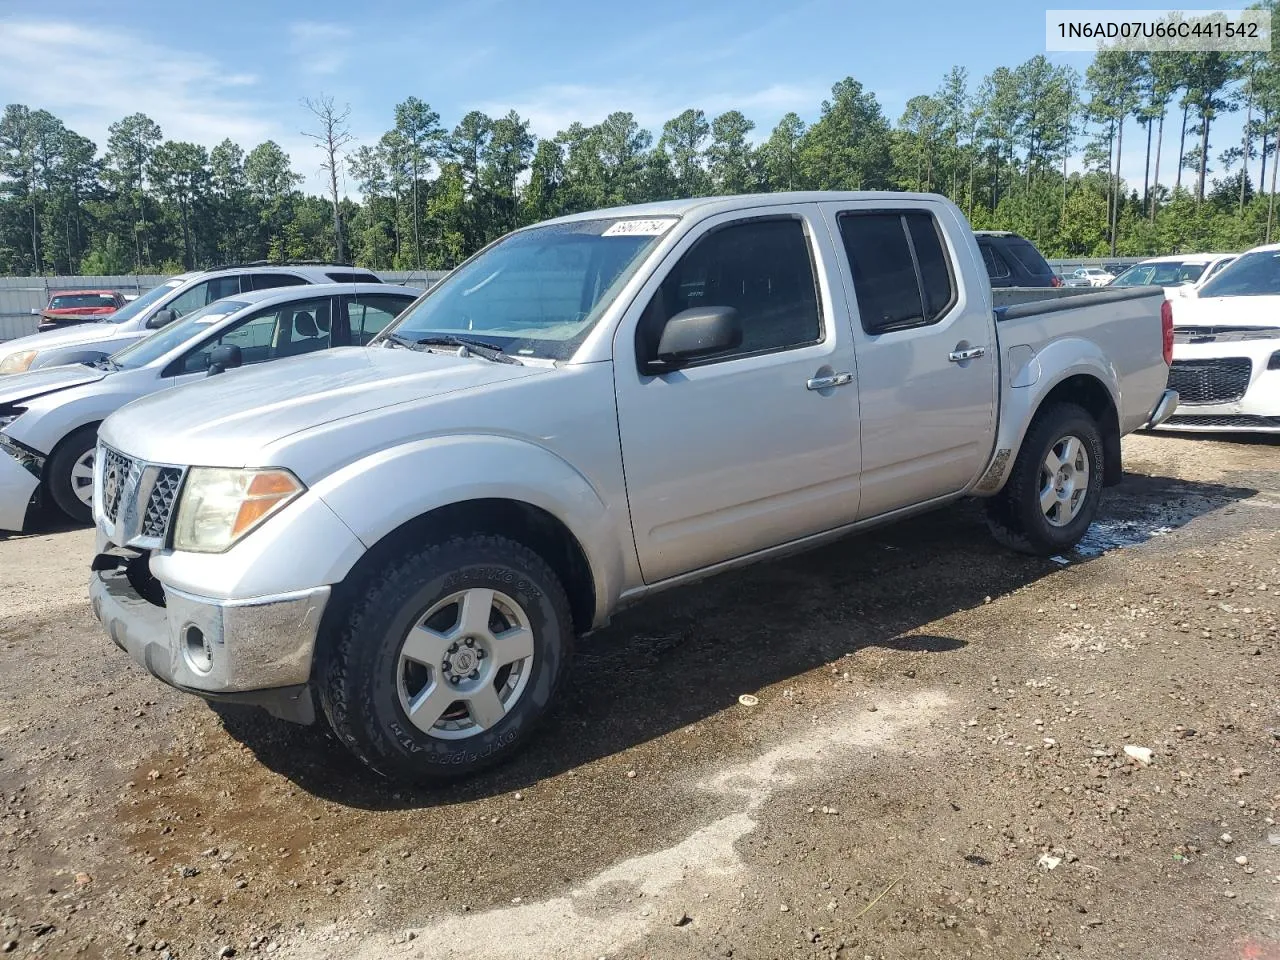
(69, 474)
(447, 662)
(1052, 494)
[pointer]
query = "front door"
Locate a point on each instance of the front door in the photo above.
(927, 383)
(750, 447)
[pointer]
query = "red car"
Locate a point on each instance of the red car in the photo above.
(70, 307)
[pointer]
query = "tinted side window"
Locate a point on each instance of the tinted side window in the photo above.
(352, 277)
(997, 269)
(367, 315)
(935, 266)
(901, 275)
(761, 268)
(268, 281)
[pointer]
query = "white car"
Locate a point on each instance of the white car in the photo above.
(176, 297)
(49, 418)
(1181, 274)
(1226, 349)
(1090, 277)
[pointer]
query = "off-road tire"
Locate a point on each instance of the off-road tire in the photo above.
(1014, 516)
(356, 673)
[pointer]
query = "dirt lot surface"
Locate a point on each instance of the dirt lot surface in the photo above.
(955, 752)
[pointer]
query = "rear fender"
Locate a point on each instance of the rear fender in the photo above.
(1027, 379)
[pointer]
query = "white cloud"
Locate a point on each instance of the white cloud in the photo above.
(319, 47)
(192, 95)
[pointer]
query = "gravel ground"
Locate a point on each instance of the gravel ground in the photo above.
(956, 752)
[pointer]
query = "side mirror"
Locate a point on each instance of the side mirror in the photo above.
(693, 333)
(698, 332)
(160, 319)
(225, 357)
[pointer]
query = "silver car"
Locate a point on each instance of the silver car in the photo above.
(49, 418)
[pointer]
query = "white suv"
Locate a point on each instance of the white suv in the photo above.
(172, 299)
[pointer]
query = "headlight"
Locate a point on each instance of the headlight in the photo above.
(18, 362)
(220, 505)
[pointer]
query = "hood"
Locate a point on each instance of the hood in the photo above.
(224, 419)
(36, 383)
(70, 337)
(1259, 315)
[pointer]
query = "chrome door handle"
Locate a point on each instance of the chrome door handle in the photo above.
(825, 383)
(973, 353)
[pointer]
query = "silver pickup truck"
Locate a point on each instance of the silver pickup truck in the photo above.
(408, 537)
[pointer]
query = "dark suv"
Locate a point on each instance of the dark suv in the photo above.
(1012, 261)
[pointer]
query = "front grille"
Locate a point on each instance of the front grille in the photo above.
(1225, 421)
(155, 519)
(1218, 380)
(118, 472)
(138, 498)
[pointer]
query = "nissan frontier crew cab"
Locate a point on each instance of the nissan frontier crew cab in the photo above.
(407, 537)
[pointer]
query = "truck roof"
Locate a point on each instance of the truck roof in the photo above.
(744, 201)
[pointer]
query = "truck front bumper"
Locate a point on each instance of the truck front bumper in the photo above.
(255, 651)
(20, 471)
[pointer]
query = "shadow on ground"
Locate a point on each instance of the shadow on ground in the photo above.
(689, 653)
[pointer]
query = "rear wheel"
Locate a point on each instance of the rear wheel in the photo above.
(69, 474)
(1052, 494)
(447, 662)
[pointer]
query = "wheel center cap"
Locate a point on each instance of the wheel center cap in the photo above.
(464, 660)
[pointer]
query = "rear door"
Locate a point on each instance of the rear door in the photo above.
(756, 445)
(927, 370)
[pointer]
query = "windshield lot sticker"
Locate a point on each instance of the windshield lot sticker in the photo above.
(639, 228)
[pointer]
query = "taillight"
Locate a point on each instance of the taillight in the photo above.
(1055, 281)
(1166, 330)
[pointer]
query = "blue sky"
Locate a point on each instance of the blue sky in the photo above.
(238, 69)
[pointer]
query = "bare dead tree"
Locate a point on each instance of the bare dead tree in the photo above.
(332, 138)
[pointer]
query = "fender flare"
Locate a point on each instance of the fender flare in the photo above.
(1036, 376)
(436, 472)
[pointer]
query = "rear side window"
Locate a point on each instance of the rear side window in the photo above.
(901, 273)
(761, 268)
(368, 315)
(997, 269)
(1027, 255)
(354, 276)
(268, 281)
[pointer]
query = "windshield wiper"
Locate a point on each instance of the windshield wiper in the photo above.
(490, 351)
(103, 363)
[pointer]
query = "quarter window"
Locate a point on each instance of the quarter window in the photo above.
(762, 269)
(997, 269)
(902, 276)
(367, 315)
(269, 281)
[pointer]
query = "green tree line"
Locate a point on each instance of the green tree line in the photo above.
(1006, 148)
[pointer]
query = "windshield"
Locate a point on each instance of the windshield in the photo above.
(69, 301)
(1254, 274)
(132, 309)
(1166, 274)
(538, 292)
(156, 345)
